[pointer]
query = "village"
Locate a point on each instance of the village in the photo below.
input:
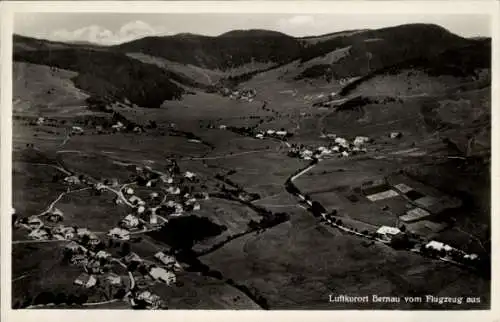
(126, 276)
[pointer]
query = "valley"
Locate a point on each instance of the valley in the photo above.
(252, 170)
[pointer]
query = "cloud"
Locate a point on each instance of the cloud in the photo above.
(100, 35)
(296, 22)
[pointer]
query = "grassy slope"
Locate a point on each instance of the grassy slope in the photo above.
(39, 88)
(107, 74)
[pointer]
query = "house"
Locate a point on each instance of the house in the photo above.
(222, 127)
(361, 140)
(196, 206)
(345, 154)
(77, 129)
(153, 219)
(189, 175)
(102, 254)
(173, 190)
(137, 129)
(163, 275)
(166, 179)
(152, 301)
(39, 234)
(34, 222)
(72, 180)
(93, 267)
(153, 195)
(259, 136)
(129, 191)
(86, 280)
(118, 126)
(438, 246)
(387, 232)
(270, 132)
(119, 233)
(168, 260)
(281, 133)
(65, 232)
(74, 247)
(141, 209)
(342, 142)
(130, 221)
(99, 186)
(395, 135)
(165, 259)
(80, 232)
(40, 120)
(132, 257)
(93, 239)
(134, 200)
(56, 215)
(113, 279)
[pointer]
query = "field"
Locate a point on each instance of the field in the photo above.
(274, 263)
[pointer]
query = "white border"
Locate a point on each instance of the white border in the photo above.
(344, 7)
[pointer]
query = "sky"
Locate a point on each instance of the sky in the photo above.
(113, 28)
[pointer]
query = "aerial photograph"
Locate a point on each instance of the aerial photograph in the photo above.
(237, 161)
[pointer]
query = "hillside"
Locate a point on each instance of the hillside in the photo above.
(108, 74)
(432, 73)
(223, 52)
(39, 88)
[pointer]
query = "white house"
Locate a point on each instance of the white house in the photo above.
(129, 191)
(75, 247)
(162, 274)
(281, 133)
(134, 200)
(189, 175)
(165, 259)
(153, 195)
(196, 206)
(395, 135)
(141, 209)
(166, 179)
(270, 132)
(387, 232)
(222, 127)
(130, 221)
(152, 300)
(102, 254)
(40, 120)
(86, 280)
(345, 154)
(77, 129)
(119, 233)
(114, 279)
(133, 257)
(259, 136)
(361, 140)
(438, 245)
(342, 142)
(39, 234)
(153, 219)
(72, 180)
(173, 190)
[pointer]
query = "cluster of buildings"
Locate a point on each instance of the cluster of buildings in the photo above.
(277, 134)
(243, 95)
(340, 147)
